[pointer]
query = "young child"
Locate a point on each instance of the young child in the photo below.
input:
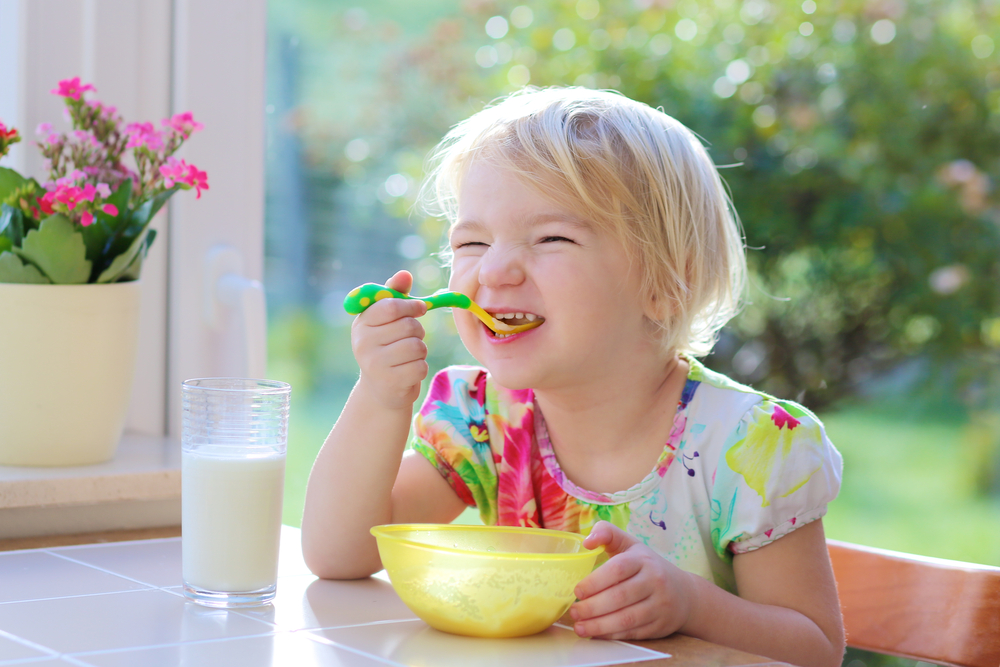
(607, 220)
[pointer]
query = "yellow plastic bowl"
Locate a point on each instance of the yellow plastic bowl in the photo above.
(484, 581)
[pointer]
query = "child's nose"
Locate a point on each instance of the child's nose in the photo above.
(501, 267)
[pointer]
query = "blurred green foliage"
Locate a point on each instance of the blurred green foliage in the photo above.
(860, 141)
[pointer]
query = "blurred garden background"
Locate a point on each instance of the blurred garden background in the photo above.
(861, 142)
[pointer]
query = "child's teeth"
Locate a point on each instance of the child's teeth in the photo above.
(531, 318)
(519, 315)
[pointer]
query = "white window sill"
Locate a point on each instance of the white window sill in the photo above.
(139, 488)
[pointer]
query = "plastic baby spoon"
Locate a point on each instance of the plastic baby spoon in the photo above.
(359, 298)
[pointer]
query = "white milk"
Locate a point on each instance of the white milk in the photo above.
(231, 519)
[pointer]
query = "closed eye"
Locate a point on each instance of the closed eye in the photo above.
(470, 243)
(554, 239)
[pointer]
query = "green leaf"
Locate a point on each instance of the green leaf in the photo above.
(123, 262)
(10, 180)
(132, 272)
(58, 250)
(145, 213)
(100, 235)
(5, 244)
(135, 224)
(12, 224)
(12, 270)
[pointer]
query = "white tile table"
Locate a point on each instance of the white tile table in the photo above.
(120, 604)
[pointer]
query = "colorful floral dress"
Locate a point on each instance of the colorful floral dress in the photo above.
(739, 469)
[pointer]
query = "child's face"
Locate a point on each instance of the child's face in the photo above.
(518, 252)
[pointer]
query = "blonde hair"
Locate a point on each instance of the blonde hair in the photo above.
(629, 169)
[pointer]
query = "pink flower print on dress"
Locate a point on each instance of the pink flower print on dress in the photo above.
(781, 418)
(776, 461)
(72, 88)
(517, 505)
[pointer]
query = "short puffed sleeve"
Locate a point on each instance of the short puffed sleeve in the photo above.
(776, 472)
(450, 431)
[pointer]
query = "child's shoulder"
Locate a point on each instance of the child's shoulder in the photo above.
(722, 394)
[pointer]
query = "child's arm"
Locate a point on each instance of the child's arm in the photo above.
(358, 480)
(787, 608)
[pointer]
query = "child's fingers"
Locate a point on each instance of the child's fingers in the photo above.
(614, 539)
(389, 310)
(615, 571)
(370, 343)
(619, 625)
(403, 352)
(618, 596)
(401, 281)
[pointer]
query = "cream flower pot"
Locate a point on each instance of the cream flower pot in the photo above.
(67, 357)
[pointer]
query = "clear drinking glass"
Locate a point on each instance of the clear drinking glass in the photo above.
(234, 439)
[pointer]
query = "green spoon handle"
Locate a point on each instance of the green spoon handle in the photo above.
(359, 298)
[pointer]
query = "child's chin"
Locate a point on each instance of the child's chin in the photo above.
(511, 379)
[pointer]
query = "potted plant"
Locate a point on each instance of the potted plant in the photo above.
(71, 252)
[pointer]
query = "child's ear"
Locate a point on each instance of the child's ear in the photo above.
(658, 308)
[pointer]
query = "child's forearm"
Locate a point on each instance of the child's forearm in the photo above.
(768, 630)
(350, 487)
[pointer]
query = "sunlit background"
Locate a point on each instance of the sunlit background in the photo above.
(861, 142)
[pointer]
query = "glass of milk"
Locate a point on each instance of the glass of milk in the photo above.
(234, 439)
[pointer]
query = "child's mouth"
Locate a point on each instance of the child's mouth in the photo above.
(514, 319)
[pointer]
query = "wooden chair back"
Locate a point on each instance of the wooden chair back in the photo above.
(929, 609)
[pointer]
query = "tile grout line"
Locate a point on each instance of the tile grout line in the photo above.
(70, 597)
(30, 644)
(101, 569)
(80, 654)
(319, 639)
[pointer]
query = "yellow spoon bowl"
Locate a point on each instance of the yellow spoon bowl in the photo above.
(484, 581)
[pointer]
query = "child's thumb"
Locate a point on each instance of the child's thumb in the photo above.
(614, 539)
(401, 281)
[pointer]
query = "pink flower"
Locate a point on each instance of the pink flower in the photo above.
(72, 88)
(183, 123)
(110, 209)
(86, 137)
(43, 128)
(184, 174)
(199, 180)
(87, 218)
(143, 135)
(45, 203)
(104, 190)
(7, 133)
(88, 193)
(69, 196)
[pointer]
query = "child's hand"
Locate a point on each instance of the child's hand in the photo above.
(636, 594)
(388, 343)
